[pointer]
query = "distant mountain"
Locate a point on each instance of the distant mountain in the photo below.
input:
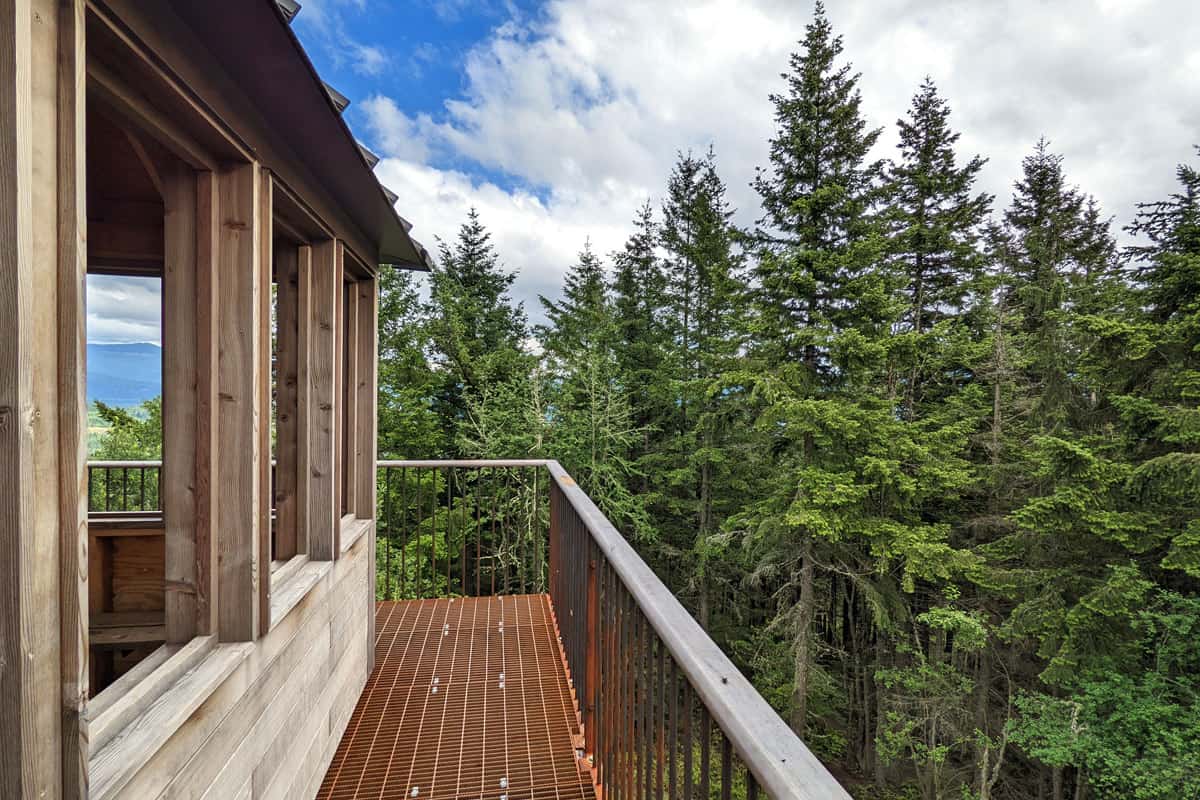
(123, 375)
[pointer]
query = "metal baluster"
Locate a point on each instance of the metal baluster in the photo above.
(660, 729)
(387, 539)
(689, 779)
(726, 768)
(673, 744)
(478, 528)
(420, 523)
(404, 532)
(451, 472)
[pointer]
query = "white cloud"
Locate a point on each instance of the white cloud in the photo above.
(323, 19)
(121, 309)
(368, 60)
(590, 101)
(539, 240)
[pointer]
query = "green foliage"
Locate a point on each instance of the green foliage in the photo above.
(131, 435)
(929, 476)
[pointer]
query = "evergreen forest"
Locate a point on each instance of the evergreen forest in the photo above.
(925, 462)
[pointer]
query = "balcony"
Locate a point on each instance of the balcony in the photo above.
(523, 650)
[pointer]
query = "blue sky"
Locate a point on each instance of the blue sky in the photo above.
(411, 52)
(558, 119)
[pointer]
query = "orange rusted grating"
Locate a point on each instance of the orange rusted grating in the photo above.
(499, 725)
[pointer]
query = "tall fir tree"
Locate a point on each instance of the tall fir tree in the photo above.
(703, 266)
(595, 432)
(817, 235)
(935, 218)
(639, 302)
(478, 332)
(824, 309)
(1058, 254)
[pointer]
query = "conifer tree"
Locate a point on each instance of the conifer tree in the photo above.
(817, 235)
(935, 218)
(1058, 251)
(595, 432)
(477, 330)
(702, 264)
(582, 320)
(639, 301)
(822, 314)
(407, 384)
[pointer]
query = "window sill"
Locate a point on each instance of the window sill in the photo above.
(130, 725)
(296, 579)
(352, 530)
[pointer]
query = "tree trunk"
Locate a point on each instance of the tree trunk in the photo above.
(983, 682)
(1056, 783)
(804, 619)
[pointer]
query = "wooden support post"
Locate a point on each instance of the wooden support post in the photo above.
(367, 397)
(304, 413)
(180, 349)
(239, 440)
(286, 398)
(43, 541)
(348, 456)
(207, 482)
(368, 367)
(323, 518)
(263, 267)
(72, 401)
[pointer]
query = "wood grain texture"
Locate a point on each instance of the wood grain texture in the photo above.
(323, 516)
(126, 101)
(304, 416)
(15, 446)
(72, 404)
(39, 537)
(239, 379)
(368, 380)
(134, 697)
(272, 705)
(263, 267)
(347, 455)
(137, 573)
(367, 399)
(287, 381)
(207, 404)
(180, 385)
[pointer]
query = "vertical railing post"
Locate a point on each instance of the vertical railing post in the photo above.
(556, 553)
(591, 681)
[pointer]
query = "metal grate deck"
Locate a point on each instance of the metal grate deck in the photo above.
(469, 699)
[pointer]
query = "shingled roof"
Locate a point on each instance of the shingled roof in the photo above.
(256, 42)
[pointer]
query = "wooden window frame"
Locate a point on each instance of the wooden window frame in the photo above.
(357, 378)
(216, 283)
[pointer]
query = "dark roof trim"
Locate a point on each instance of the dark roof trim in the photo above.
(339, 100)
(396, 246)
(371, 158)
(289, 9)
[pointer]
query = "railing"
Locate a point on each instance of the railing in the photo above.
(665, 713)
(123, 487)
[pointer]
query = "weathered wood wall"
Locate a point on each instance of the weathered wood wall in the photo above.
(269, 730)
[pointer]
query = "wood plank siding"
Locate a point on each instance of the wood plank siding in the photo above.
(212, 640)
